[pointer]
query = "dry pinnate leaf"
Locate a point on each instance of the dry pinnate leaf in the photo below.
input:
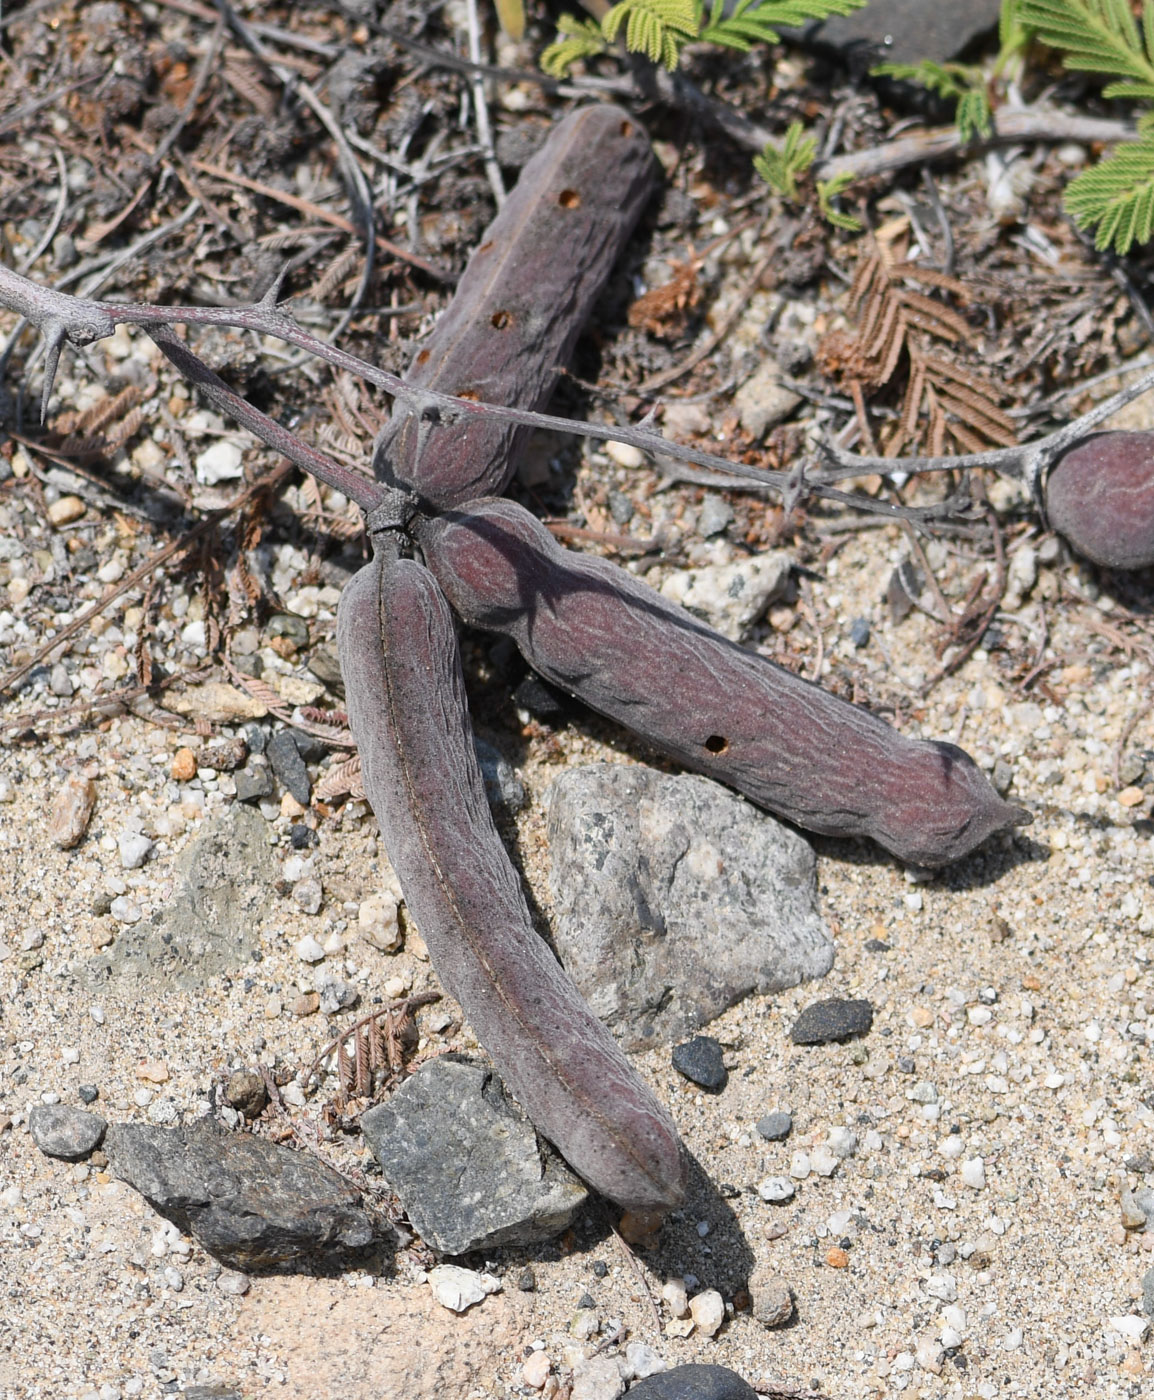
(72, 811)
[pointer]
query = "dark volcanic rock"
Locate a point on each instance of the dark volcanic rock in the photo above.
(250, 1203)
(211, 923)
(674, 899)
(835, 1019)
(902, 31)
(700, 1060)
(466, 1163)
(67, 1133)
(288, 765)
(693, 1383)
(775, 1127)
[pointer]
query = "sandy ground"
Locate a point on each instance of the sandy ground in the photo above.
(1014, 1002)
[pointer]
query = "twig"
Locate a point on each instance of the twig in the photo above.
(54, 223)
(204, 71)
(481, 108)
(642, 1281)
(61, 317)
(1032, 124)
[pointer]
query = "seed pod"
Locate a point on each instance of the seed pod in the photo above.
(521, 303)
(407, 710)
(1100, 495)
(597, 632)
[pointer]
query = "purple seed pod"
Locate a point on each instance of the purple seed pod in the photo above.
(597, 632)
(521, 303)
(1100, 496)
(407, 710)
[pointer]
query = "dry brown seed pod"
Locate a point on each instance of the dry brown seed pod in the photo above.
(1100, 496)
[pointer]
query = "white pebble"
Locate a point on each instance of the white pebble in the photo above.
(952, 1147)
(457, 1289)
(823, 1161)
(799, 1167)
(675, 1297)
(624, 454)
(535, 1371)
(135, 849)
(974, 1173)
(776, 1189)
(929, 1354)
(708, 1311)
(980, 1015)
(842, 1141)
(1013, 1339)
(308, 949)
(220, 462)
(233, 1283)
(124, 910)
(1132, 1327)
(642, 1361)
(942, 1287)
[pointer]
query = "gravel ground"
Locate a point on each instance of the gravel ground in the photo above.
(969, 1240)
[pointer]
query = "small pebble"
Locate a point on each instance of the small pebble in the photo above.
(700, 1060)
(974, 1173)
(624, 454)
(236, 1285)
(305, 1004)
(152, 1071)
(535, 1370)
(599, 1378)
(246, 1092)
(526, 1280)
(67, 1133)
(676, 1298)
(457, 1289)
(308, 949)
(837, 1258)
(66, 510)
(775, 1127)
(641, 1361)
(135, 849)
(837, 1018)
(859, 632)
(708, 1312)
(183, 768)
(71, 811)
(823, 1161)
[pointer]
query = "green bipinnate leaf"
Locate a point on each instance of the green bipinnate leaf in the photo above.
(779, 166)
(1117, 195)
(1098, 36)
(577, 39)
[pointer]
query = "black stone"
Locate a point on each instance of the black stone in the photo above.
(859, 632)
(302, 837)
(902, 31)
(89, 1093)
(586, 1301)
(700, 1060)
(466, 1163)
(67, 1133)
(526, 1280)
(543, 701)
(288, 765)
(249, 1203)
(835, 1019)
(693, 1383)
(503, 788)
(876, 945)
(600, 1268)
(775, 1127)
(256, 738)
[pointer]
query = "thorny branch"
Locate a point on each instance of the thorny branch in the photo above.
(61, 317)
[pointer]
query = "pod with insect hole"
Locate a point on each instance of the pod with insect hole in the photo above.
(520, 304)
(602, 635)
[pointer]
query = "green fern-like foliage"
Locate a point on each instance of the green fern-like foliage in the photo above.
(956, 81)
(1098, 36)
(577, 39)
(779, 166)
(758, 21)
(657, 28)
(660, 29)
(1117, 195)
(827, 192)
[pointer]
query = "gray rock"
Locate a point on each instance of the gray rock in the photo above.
(716, 517)
(694, 1382)
(904, 31)
(835, 1019)
(763, 401)
(248, 1202)
(254, 781)
(67, 1133)
(246, 1091)
(211, 1390)
(466, 1163)
(673, 899)
(210, 925)
(775, 1127)
(771, 1295)
(731, 597)
(700, 1061)
(288, 765)
(1148, 1292)
(503, 788)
